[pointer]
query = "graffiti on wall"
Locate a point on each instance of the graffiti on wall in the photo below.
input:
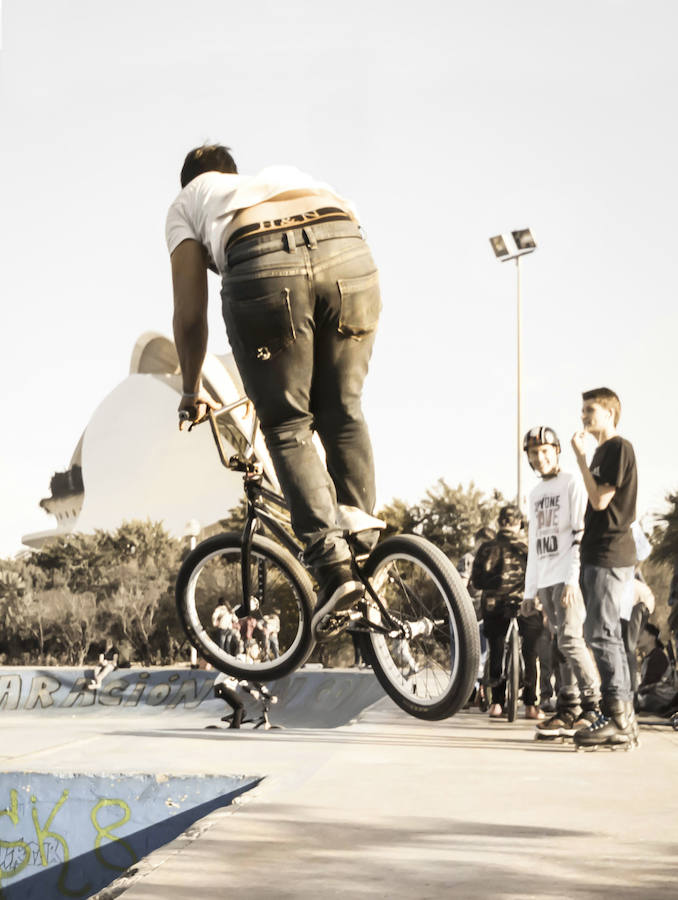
(37, 689)
(69, 836)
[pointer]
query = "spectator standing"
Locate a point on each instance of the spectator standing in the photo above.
(223, 621)
(556, 526)
(608, 557)
(272, 631)
(499, 572)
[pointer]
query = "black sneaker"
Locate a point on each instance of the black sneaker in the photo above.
(338, 590)
(615, 731)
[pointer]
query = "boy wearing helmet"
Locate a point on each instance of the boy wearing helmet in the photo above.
(556, 524)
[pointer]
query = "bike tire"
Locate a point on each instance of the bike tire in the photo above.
(512, 675)
(211, 573)
(449, 654)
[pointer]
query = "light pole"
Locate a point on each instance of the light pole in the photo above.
(514, 246)
(191, 531)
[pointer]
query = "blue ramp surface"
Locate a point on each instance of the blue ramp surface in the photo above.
(70, 836)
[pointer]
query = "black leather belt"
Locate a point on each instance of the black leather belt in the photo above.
(271, 226)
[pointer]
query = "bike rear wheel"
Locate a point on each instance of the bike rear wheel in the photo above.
(512, 675)
(431, 673)
(211, 574)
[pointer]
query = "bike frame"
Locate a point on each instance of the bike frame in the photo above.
(259, 514)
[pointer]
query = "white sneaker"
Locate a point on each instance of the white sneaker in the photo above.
(354, 520)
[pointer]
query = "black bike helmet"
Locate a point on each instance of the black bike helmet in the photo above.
(540, 434)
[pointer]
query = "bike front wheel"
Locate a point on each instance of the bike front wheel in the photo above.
(211, 576)
(512, 674)
(429, 665)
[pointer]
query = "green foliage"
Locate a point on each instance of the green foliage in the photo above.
(79, 591)
(665, 535)
(62, 602)
(447, 516)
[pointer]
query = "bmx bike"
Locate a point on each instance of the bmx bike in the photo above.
(513, 664)
(416, 624)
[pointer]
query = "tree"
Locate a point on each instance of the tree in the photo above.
(449, 517)
(665, 535)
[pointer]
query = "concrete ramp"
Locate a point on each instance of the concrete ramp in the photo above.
(310, 698)
(68, 833)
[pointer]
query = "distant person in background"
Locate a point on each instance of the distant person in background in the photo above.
(272, 632)
(223, 620)
(608, 557)
(499, 573)
(673, 604)
(108, 662)
(658, 684)
(636, 610)
(225, 688)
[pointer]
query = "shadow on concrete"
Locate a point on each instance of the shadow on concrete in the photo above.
(86, 874)
(421, 858)
(442, 740)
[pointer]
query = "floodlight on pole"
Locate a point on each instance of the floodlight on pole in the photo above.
(515, 245)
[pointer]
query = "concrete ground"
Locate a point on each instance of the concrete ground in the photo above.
(388, 807)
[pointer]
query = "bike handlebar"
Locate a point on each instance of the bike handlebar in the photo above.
(236, 463)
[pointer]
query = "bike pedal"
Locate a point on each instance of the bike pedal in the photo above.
(333, 624)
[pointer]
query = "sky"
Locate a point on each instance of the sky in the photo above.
(445, 122)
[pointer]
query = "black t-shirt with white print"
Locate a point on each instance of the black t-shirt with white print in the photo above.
(608, 540)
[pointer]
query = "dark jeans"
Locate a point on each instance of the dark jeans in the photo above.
(531, 629)
(301, 309)
(495, 628)
(603, 589)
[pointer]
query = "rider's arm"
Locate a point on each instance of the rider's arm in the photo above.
(189, 280)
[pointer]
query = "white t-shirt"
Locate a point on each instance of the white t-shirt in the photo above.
(556, 515)
(204, 208)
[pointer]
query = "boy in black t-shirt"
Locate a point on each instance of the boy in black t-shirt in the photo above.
(608, 556)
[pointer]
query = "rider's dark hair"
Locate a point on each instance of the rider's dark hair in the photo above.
(208, 158)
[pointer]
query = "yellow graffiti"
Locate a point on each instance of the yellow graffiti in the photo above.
(13, 812)
(42, 833)
(105, 832)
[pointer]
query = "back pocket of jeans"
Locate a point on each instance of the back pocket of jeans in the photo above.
(263, 325)
(360, 305)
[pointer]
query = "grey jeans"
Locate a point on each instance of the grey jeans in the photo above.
(301, 310)
(603, 589)
(579, 682)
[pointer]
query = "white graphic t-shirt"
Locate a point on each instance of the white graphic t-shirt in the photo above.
(556, 515)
